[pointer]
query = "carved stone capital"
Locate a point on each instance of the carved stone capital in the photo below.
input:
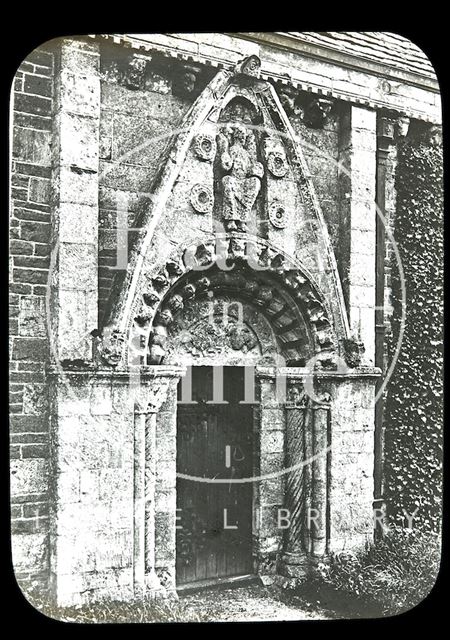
(322, 399)
(296, 396)
(148, 398)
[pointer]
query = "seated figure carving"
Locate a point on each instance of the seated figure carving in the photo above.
(242, 182)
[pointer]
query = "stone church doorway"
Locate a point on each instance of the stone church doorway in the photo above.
(214, 449)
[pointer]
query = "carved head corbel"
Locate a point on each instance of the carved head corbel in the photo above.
(290, 104)
(353, 351)
(317, 111)
(112, 346)
(133, 72)
(185, 81)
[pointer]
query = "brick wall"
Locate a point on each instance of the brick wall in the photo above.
(29, 269)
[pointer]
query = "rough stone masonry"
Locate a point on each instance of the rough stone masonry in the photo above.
(157, 181)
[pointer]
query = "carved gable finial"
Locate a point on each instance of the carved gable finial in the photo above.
(250, 66)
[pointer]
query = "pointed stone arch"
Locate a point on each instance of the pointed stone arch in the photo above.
(184, 205)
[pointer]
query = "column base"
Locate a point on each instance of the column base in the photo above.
(153, 587)
(295, 565)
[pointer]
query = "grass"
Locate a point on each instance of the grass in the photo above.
(111, 611)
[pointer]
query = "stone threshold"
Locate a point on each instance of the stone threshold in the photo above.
(225, 581)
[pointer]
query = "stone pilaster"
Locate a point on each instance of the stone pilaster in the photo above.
(75, 200)
(351, 455)
(357, 156)
(165, 496)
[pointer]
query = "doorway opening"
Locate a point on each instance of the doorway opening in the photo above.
(214, 445)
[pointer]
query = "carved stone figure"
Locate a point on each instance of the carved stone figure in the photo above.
(112, 347)
(353, 352)
(242, 182)
(317, 111)
(134, 73)
(184, 83)
(290, 104)
(150, 298)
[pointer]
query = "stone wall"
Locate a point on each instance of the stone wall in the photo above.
(32, 105)
(351, 463)
(91, 537)
(321, 149)
(138, 114)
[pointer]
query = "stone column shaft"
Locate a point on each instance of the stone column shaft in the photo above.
(150, 486)
(319, 480)
(149, 396)
(139, 505)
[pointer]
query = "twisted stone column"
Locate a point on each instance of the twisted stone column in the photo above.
(297, 483)
(295, 479)
(307, 483)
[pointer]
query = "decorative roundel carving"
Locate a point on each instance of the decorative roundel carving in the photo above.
(277, 165)
(277, 215)
(202, 198)
(204, 146)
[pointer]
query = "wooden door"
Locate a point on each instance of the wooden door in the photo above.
(214, 441)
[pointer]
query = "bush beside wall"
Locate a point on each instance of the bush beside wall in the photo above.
(414, 410)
